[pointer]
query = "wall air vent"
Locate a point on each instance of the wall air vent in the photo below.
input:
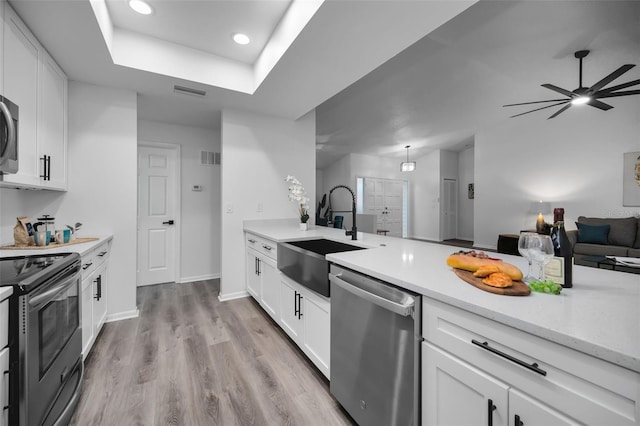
(189, 91)
(209, 158)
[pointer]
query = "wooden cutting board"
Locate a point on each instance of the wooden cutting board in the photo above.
(50, 246)
(517, 289)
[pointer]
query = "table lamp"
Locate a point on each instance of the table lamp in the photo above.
(541, 208)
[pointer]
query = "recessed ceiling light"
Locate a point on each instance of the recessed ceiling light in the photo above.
(241, 38)
(141, 7)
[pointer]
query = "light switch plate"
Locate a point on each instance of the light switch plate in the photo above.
(229, 208)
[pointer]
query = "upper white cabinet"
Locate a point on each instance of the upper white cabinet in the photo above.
(34, 82)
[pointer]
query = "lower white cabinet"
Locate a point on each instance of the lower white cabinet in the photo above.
(479, 371)
(4, 387)
(94, 294)
(306, 317)
(263, 281)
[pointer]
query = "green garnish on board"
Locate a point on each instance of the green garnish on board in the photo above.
(547, 286)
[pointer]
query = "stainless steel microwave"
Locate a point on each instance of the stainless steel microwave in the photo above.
(8, 136)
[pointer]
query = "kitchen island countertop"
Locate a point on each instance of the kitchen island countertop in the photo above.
(599, 316)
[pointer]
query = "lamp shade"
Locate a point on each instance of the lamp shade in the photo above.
(540, 207)
(407, 166)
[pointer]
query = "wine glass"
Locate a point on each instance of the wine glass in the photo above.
(525, 242)
(542, 252)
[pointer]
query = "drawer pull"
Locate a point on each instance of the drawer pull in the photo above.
(533, 367)
(86, 265)
(102, 254)
(267, 247)
(252, 241)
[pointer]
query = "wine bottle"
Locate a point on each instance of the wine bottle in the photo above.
(563, 261)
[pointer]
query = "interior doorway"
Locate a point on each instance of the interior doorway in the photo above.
(387, 200)
(158, 212)
(449, 209)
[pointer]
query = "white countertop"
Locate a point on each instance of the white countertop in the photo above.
(5, 292)
(81, 248)
(600, 315)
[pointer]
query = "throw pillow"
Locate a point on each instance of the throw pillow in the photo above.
(622, 232)
(593, 234)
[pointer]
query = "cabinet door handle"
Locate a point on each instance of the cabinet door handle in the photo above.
(517, 421)
(299, 305)
(255, 265)
(48, 167)
(98, 282)
(533, 367)
(490, 409)
(296, 310)
(259, 266)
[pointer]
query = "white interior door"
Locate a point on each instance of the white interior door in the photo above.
(157, 198)
(449, 216)
(384, 198)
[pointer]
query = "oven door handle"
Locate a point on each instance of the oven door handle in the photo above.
(404, 309)
(50, 294)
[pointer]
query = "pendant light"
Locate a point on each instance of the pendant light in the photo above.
(407, 166)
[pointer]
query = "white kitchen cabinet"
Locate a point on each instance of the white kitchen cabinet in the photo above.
(34, 82)
(4, 387)
(290, 318)
(95, 267)
(305, 317)
(262, 273)
(52, 122)
(21, 68)
(463, 394)
(253, 275)
(547, 383)
(525, 410)
(270, 287)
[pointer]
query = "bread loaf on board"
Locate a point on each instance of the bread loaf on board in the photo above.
(472, 261)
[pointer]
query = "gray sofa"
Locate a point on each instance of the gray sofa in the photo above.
(623, 239)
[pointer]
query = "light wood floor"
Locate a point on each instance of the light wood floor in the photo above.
(192, 360)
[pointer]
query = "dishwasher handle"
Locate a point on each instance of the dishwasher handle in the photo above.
(404, 309)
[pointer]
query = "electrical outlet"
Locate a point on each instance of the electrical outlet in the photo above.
(229, 208)
(260, 208)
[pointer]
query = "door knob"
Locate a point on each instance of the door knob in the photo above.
(169, 222)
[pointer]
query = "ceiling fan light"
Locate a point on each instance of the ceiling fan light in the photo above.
(141, 7)
(580, 100)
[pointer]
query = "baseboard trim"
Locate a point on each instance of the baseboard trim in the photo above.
(194, 278)
(232, 296)
(123, 315)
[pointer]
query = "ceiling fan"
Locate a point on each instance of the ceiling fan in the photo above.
(586, 95)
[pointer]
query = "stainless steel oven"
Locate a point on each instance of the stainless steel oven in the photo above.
(8, 136)
(45, 338)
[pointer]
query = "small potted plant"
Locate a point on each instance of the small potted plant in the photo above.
(299, 195)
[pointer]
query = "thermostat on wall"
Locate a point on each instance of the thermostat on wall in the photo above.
(197, 188)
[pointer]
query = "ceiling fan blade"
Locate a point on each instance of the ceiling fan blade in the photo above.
(538, 109)
(564, 108)
(618, 87)
(614, 94)
(608, 79)
(560, 90)
(600, 105)
(536, 102)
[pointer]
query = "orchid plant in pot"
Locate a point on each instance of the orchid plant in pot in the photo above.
(299, 195)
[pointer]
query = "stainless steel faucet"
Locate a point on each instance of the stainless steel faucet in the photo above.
(354, 229)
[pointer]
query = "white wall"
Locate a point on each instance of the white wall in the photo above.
(573, 161)
(424, 222)
(200, 243)
(465, 205)
(258, 152)
(102, 189)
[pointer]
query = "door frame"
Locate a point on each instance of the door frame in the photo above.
(360, 200)
(442, 208)
(178, 208)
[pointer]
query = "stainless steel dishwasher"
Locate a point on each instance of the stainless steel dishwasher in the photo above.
(375, 349)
